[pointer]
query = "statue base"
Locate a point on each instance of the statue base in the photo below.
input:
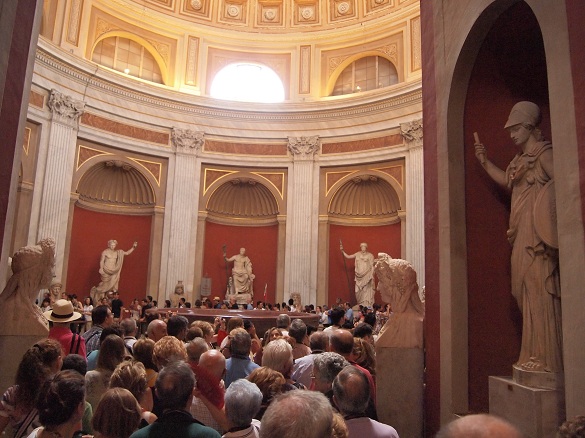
(538, 379)
(240, 298)
(537, 412)
(400, 389)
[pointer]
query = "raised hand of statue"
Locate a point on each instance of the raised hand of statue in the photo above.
(480, 151)
(135, 245)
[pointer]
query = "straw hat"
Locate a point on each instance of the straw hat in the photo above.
(62, 312)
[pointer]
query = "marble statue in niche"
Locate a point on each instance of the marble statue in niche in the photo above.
(533, 236)
(111, 262)
(364, 275)
(242, 276)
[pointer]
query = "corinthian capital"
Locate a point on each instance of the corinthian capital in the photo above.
(412, 132)
(65, 106)
(303, 147)
(187, 140)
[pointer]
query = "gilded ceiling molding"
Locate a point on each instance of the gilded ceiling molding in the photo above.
(192, 60)
(212, 175)
(187, 140)
(304, 148)
(65, 108)
(276, 179)
(396, 172)
(416, 47)
(152, 167)
(331, 178)
(412, 132)
(305, 70)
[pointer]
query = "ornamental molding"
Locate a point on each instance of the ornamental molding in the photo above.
(65, 108)
(412, 132)
(187, 140)
(304, 147)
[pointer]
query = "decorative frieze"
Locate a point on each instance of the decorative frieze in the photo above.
(65, 108)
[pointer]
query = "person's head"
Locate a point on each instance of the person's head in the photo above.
(46, 303)
(193, 333)
(341, 341)
(174, 386)
(131, 375)
(112, 352)
(326, 367)
(196, 347)
(88, 301)
(75, 362)
(156, 329)
(177, 326)
(337, 316)
(128, 326)
(319, 342)
(117, 415)
(242, 402)
(61, 399)
(38, 363)
(62, 312)
(271, 334)
(143, 349)
(206, 328)
(270, 382)
(102, 316)
(168, 349)
(214, 362)
(351, 391)
(233, 323)
(572, 428)
(281, 419)
(363, 354)
(260, 305)
(283, 321)
(114, 329)
(479, 426)
(241, 342)
(298, 330)
(278, 355)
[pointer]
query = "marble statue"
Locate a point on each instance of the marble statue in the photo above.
(364, 275)
(242, 275)
(398, 285)
(533, 236)
(55, 291)
(178, 294)
(110, 268)
(32, 268)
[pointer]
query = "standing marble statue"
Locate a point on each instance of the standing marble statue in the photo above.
(364, 275)
(32, 268)
(532, 234)
(242, 275)
(111, 262)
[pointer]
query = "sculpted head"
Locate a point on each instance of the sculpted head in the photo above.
(395, 275)
(242, 251)
(364, 246)
(112, 244)
(35, 262)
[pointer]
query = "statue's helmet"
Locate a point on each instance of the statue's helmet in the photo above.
(524, 112)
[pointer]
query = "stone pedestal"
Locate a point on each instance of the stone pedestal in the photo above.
(536, 412)
(12, 348)
(399, 389)
(241, 299)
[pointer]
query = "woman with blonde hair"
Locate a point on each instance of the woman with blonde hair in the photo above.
(131, 375)
(143, 349)
(117, 414)
(270, 382)
(168, 349)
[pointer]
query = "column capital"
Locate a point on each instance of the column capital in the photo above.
(412, 132)
(304, 147)
(64, 108)
(187, 140)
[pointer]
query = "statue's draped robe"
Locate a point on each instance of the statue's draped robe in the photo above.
(534, 265)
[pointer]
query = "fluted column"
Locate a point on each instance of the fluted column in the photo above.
(412, 132)
(183, 210)
(301, 237)
(56, 192)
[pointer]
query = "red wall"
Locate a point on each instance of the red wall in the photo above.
(89, 237)
(510, 67)
(385, 238)
(261, 245)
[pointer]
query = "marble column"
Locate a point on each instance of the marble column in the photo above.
(412, 132)
(60, 163)
(184, 203)
(301, 238)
